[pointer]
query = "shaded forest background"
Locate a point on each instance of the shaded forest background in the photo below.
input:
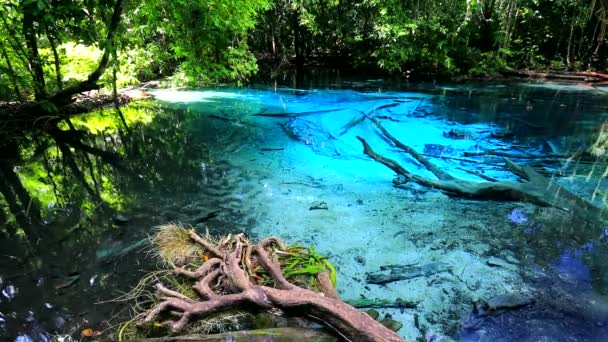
(46, 46)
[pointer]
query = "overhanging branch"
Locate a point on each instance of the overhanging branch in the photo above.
(63, 97)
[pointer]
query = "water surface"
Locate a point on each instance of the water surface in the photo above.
(258, 159)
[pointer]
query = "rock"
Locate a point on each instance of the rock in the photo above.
(373, 313)
(390, 323)
(67, 282)
(318, 206)
(438, 150)
(508, 301)
(497, 262)
(457, 134)
(390, 273)
(360, 259)
(311, 134)
(120, 219)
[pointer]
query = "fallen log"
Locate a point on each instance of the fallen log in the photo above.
(535, 189)
(514, 155)
(367, 303)
(547, 75)
(392, 273)
(294, 115)
(363, 116)
(258, 335)
(592, 74)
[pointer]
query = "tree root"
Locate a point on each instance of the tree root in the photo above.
(225, 282)
(536, 189)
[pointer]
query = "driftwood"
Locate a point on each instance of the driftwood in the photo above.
(230, 264)
(593, 74)
(294, 115)
(536, 189)
(363, 116)
(392, 273)
(367, 303)
(515, 156)
(581, 76)
(259, 335)
(550, 75)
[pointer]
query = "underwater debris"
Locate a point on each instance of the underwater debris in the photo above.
(437, 150)
(508, 301)
(382, 303)
(311, 134)
(457, 134)
(219, 276)
(403, 272)
(536, 189)
(319, 206)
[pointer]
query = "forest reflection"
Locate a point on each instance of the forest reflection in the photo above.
(63, 185)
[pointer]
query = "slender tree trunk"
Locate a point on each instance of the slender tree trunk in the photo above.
(11, 72)
(3, 218)
(58, 77)
(569, 48)
(14, 42)
(69, 159)
(31, 206)
(49, 175)
(298, 50)
(31, 41)
(16, 209)
(115, 88)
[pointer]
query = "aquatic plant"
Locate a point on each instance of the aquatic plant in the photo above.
(173, 245)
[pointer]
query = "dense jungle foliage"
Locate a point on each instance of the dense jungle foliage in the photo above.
(50, 45)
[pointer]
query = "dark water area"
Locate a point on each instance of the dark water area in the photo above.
(77, 212)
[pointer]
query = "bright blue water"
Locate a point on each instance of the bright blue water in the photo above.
(256, 159)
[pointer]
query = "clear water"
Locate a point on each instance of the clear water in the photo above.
(218, 159)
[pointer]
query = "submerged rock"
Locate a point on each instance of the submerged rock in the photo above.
(390, 323)
(457, 134)
(438, 150)
(508, 301)
(120, 219)
(373, 313)
(403, 272)
(311, 134)
(319, 206)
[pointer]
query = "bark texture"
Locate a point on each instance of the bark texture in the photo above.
(224, 282)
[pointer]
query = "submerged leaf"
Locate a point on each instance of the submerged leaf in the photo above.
(312, 270)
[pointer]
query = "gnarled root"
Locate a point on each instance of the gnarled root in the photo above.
(223, 283)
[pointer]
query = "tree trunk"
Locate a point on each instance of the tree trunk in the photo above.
(29, 204)
(58, 77)
(31, 41)
(298, 50)
(11, 72)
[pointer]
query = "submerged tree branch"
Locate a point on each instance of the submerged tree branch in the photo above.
(536, 189)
